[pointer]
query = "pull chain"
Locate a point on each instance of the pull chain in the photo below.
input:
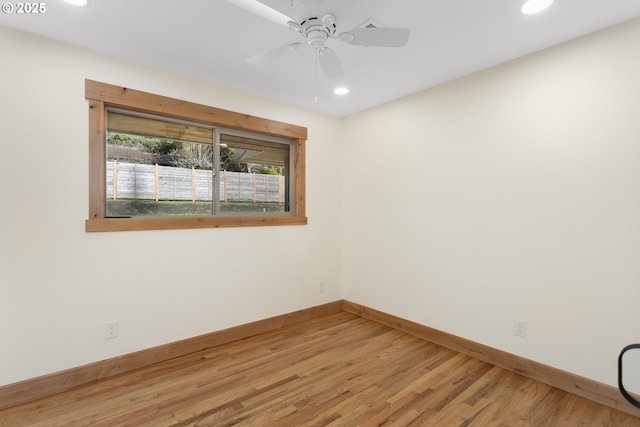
(317, 55)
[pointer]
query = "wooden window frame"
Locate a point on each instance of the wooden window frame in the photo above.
(102, 95)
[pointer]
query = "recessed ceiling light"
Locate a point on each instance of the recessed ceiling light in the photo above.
(77, 2)
(535, 6)
(341, 91)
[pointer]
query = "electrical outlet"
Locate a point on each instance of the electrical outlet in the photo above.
(111, 330)
(520, 328)
(321, 286)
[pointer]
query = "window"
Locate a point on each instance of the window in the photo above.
(162, 163)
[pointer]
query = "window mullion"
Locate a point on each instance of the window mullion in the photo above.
(216, 172)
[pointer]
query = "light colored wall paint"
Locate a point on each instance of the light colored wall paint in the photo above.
(512, 193)
(58, 284)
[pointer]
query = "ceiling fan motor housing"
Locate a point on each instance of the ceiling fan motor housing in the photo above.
(317, 28)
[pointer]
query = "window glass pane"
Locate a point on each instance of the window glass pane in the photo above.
(254, 174)
(157, 167)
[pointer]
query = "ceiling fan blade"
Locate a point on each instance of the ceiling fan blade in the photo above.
(382, 37)
(330, 63)
(269, 55)
(261, 9)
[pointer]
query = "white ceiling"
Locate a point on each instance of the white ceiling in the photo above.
(210, 40)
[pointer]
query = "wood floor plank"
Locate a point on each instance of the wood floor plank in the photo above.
(335, 370)
(511, 397)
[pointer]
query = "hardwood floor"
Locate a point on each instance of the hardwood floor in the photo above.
(335, 370)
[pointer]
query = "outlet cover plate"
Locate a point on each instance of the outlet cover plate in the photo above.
(520, 328)
(111, 329)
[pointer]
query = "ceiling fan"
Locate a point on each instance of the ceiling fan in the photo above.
(317, 28)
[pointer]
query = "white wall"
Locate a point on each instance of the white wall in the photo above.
(58, 284)
(512, 193)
